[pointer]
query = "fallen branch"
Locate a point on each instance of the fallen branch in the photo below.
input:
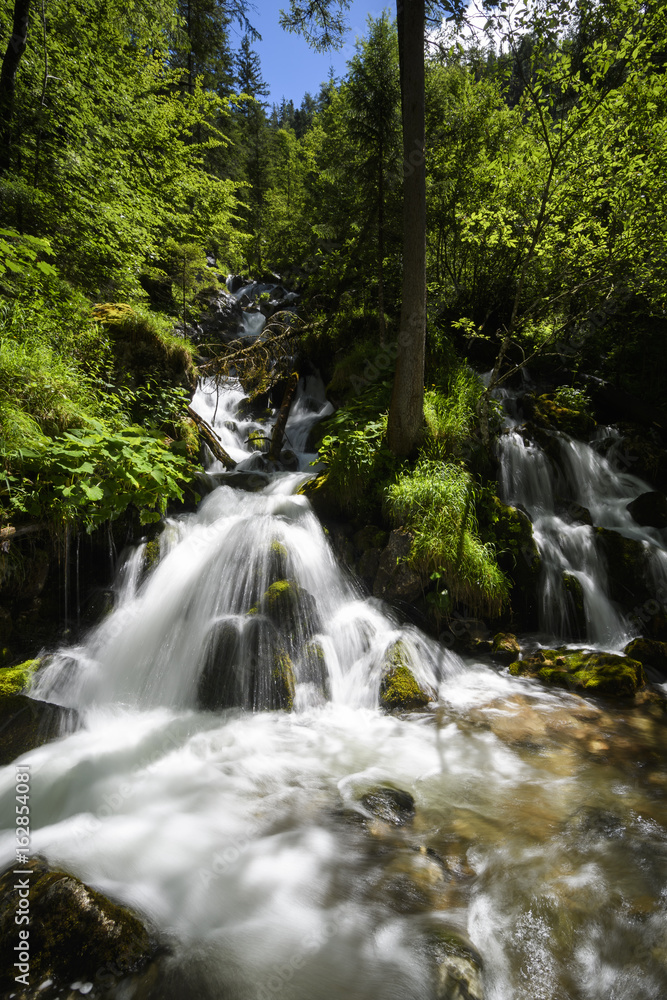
(279, 427)
(211, 439)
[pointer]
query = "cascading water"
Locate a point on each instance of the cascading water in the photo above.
(555, 490)
(245, 837)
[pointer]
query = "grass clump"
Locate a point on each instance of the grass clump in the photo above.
(450, 415)
(436, 502)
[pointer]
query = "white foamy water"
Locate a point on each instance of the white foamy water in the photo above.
(239, 835)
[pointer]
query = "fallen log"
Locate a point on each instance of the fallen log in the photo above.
(283, 414)
(211, 439)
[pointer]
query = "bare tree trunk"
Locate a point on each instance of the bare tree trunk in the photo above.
(211, 439)
(381, 323)
(406, 413)
(283, 414)
(10, 64)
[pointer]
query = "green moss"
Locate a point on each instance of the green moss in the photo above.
(187, 436)
(13, 680)
(399, 689)
(550, 413)
(74, 930)
(589, 672)
(283, 682)
(152, 554)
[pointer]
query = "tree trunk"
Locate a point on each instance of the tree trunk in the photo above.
(381, 323)
(211, 439)
(406, 413)
(10, 64)
(283, 414)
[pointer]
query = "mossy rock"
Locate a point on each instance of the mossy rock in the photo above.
(588, 672)
(511, 533)
(13, 680)
(505, 647)
(151, 554)
(188, 442)
(399, 690)
(26, 723)
(292, 610)
(650, 653)
(74, 931)
(314, 667)
(278, 561)
(547, 413)
(283, 683)
(220, 684)
(143, 353)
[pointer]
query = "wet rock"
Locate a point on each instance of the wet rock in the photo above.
(280, 694)
(74, 932)
(314, 667)
(246, 666)
(399, 690)
(278, 561)
(579, 514)
(511, 532)
(649, 510)
(395, 580)
(389, 804)
(628, 568)
(650, 653)
(220, 318)
(459, 966)
(588, 672)
(292, 610)
(505, 647)
(221, 683)
(575, 599)
(26, 724)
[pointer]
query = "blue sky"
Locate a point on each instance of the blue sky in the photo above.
(289, 65)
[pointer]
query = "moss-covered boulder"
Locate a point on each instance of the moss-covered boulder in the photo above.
(13, 680)
(282, 688)
(314, 667)
(73, 933)
(588, 672)
(511, 533)
(291, 609)
(145, 350)
(26, 724)
(650, 653)
(399, 690)
(505, 647)
(221, 684)
(546, 412)
(277, 561)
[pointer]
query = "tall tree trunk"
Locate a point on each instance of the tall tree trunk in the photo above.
(406, 413)
(381, 323)
(10, 64)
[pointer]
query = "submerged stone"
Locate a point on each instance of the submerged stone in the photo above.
(585, 671)
(74, 931)
(459, 966)
(399, 690)
(392, 805)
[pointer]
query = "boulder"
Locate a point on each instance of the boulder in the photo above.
(26, 723)
(505, 647)
(629, 576)
(650, 653)
(649, 510)
(575, 601)
(459, 967)
(75, 932)
(221, 317)
(547, 413)
(395, 580)
(583, 671)
(314, 667)
(399, 690)
(291, 609)
(389, 804)
(13, 680)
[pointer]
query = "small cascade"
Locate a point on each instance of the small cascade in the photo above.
(569, 488)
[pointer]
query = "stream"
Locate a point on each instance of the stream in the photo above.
(245, 837)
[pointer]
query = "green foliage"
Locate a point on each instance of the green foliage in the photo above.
(436, 502)
(572, 398)
(93, 475)
(355, 451)
(451, 416)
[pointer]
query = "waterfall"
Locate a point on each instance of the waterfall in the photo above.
(574, 481)
(247, 838)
